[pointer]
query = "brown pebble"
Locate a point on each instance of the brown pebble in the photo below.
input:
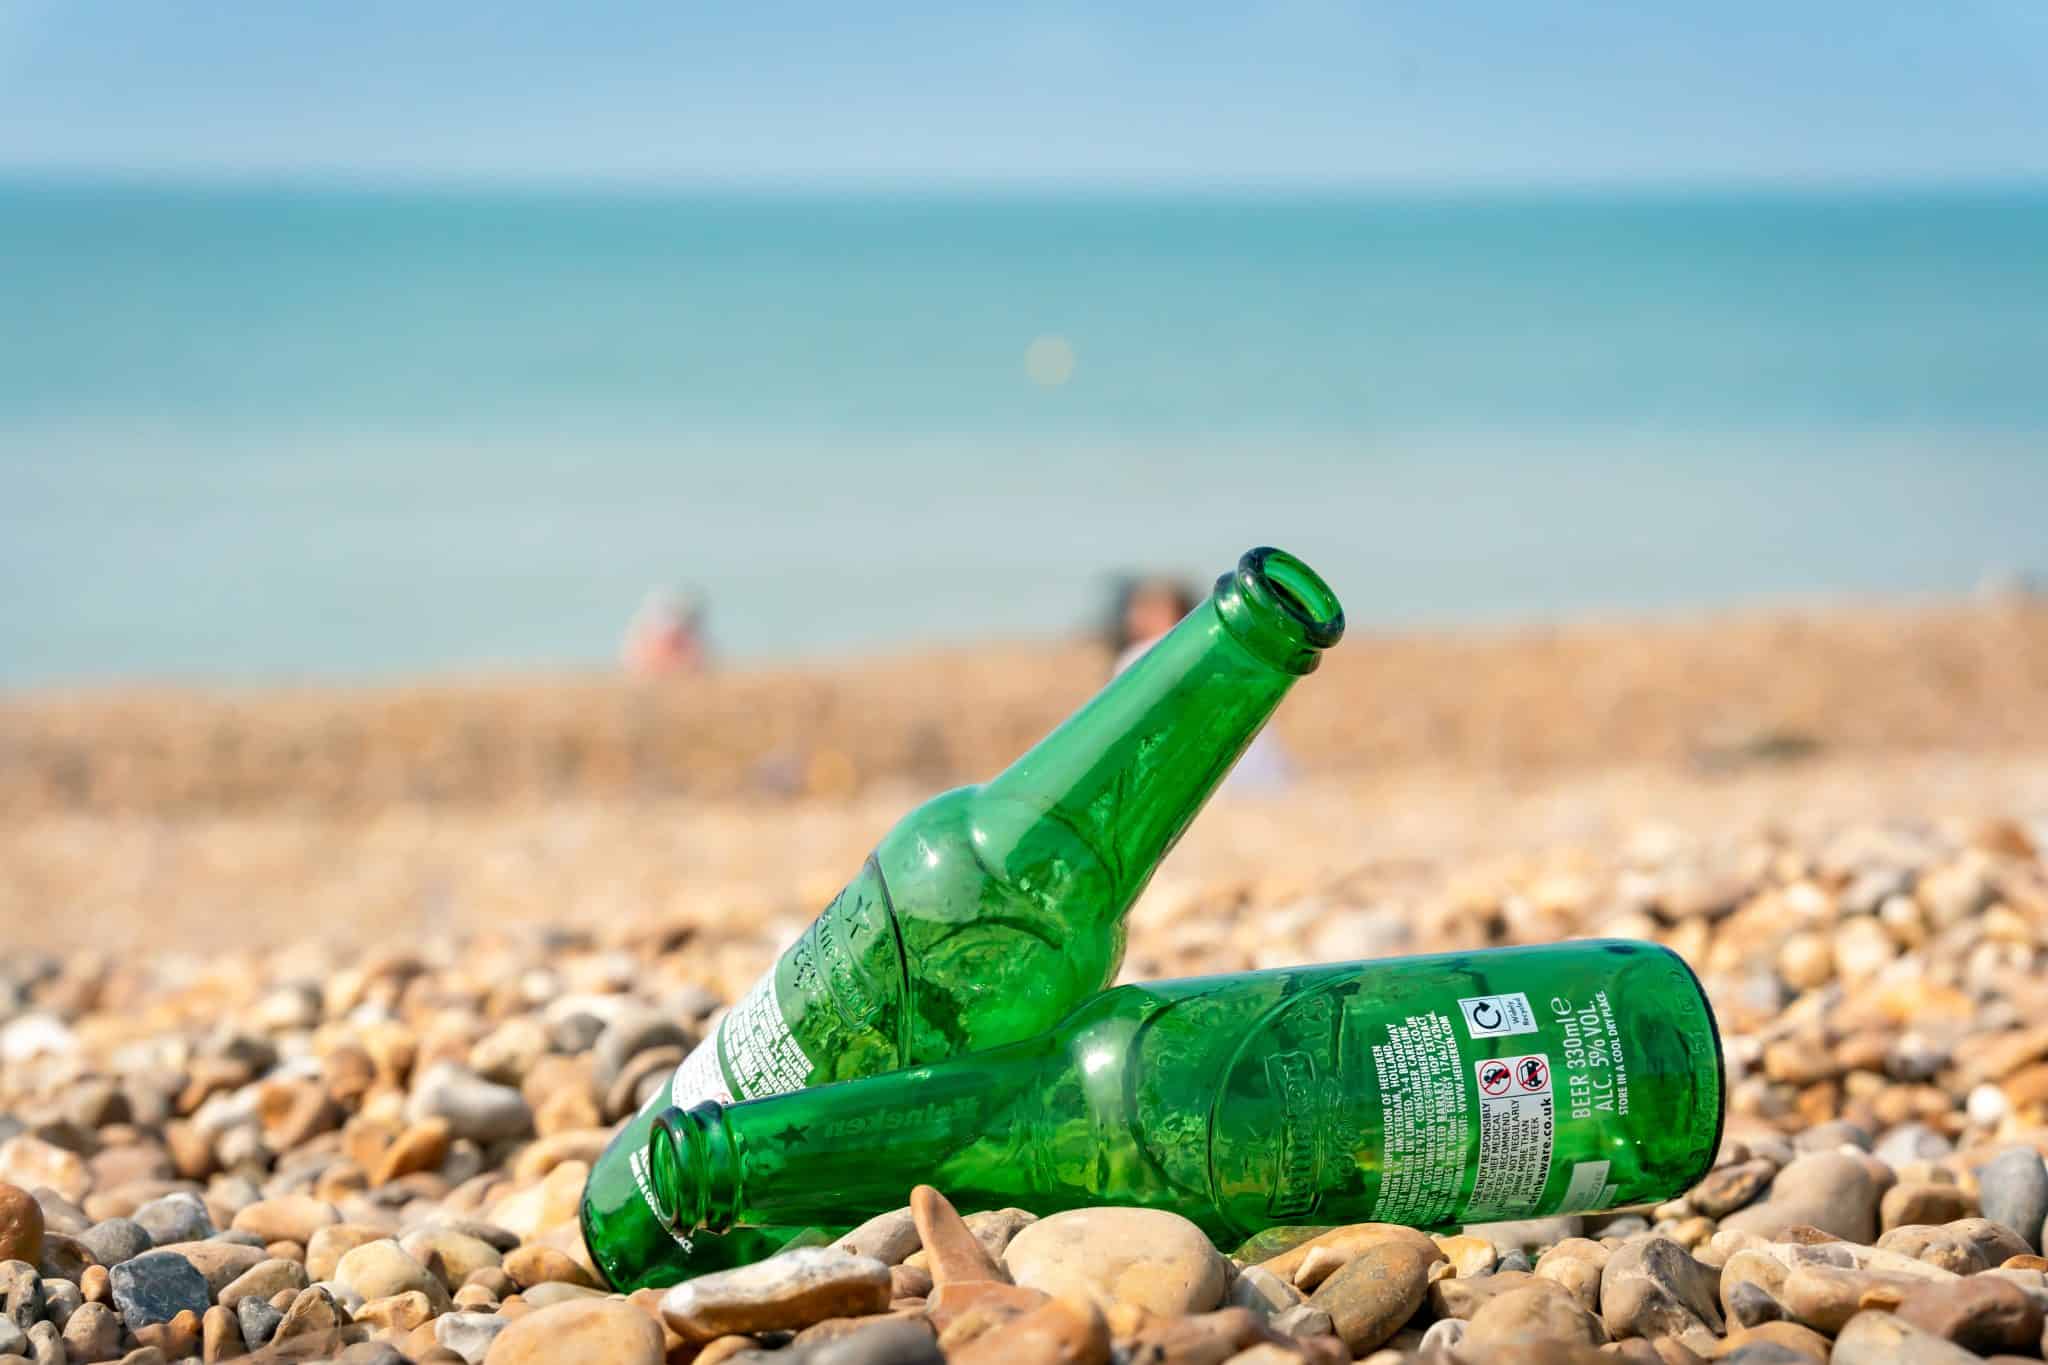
(949, 1302)
(421, 1147)
(1060, 1332)
(145, 1355)
(609, 1330)
(533, 1264)
(2025, 1262)
(21, 1225)
(220, 1335)
(397, 1312)
(722, 1348)
(953, 1254)
(909, 1282)
(1376, 1292)
(493, 1278)
(94, 1283)
(177, 1338)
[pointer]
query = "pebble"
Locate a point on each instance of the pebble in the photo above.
(313, 1313)
(1152, 1259)
(953, 1255)
(93, 1334)
(474, 1108)
(176, 1217)
(534, 1264)
(1732, 1187)
(258, 1321)
(1653, 1287)
(890, 1237)
(1060, 1332)
(220, 1335)
(788, 1291)
(116, 1240)
(1923, 1204)
(451, 1254)
(1304, 1320)
(1531, 1316)
(469, 1335)
(21, 1293)
(379, 1269)
(264, 1280)
(1880, 1338)
(1374, 1294)
(61, 1299)
(288, 1218)
(1980, 1313)
(327, 1245)
(157, 1286)
(1829, 1190)
(220, 1262)
(1469, 1256)
(883, 1342)
(597, 1331)
(21, 1225)
(402, 1312)
(1263, 1292)
(2013, 1189)
(27, 1161)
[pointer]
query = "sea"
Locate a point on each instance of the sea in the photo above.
(256, 433)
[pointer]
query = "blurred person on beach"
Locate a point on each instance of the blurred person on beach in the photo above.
(666, 637)
(1144, 608)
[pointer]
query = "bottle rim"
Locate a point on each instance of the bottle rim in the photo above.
(1280, 608)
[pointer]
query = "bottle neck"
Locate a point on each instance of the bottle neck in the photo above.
(801, 1159)
(1130, 771)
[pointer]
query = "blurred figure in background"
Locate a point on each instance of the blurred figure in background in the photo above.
(1145, 608)
(666, 636)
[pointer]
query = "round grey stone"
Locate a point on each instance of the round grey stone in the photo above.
(2013, 1192)
(177, 1217)
(258, 1321)
(116, 1240)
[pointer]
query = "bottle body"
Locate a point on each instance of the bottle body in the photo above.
(987, 913)
(1430, 1091)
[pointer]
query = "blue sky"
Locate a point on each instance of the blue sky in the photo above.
(1441, 92)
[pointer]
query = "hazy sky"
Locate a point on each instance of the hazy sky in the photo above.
(1448, 91)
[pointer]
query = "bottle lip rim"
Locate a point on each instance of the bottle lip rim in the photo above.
(1284, 582)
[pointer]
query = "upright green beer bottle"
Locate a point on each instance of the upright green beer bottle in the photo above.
(989, 912)
(1428, 1091)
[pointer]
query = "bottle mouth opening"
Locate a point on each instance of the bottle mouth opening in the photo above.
(1285, 582)
(665, 1174)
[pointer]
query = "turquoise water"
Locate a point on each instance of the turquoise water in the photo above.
(264, 433)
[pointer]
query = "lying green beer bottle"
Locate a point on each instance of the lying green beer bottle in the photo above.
(1428, 1091)
(989, 912)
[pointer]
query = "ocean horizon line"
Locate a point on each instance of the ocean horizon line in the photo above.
(319, 181)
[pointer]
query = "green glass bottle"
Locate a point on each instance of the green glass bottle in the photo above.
(988, 912)
(1428, 1091)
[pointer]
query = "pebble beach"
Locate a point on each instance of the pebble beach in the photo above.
(319, 1003)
